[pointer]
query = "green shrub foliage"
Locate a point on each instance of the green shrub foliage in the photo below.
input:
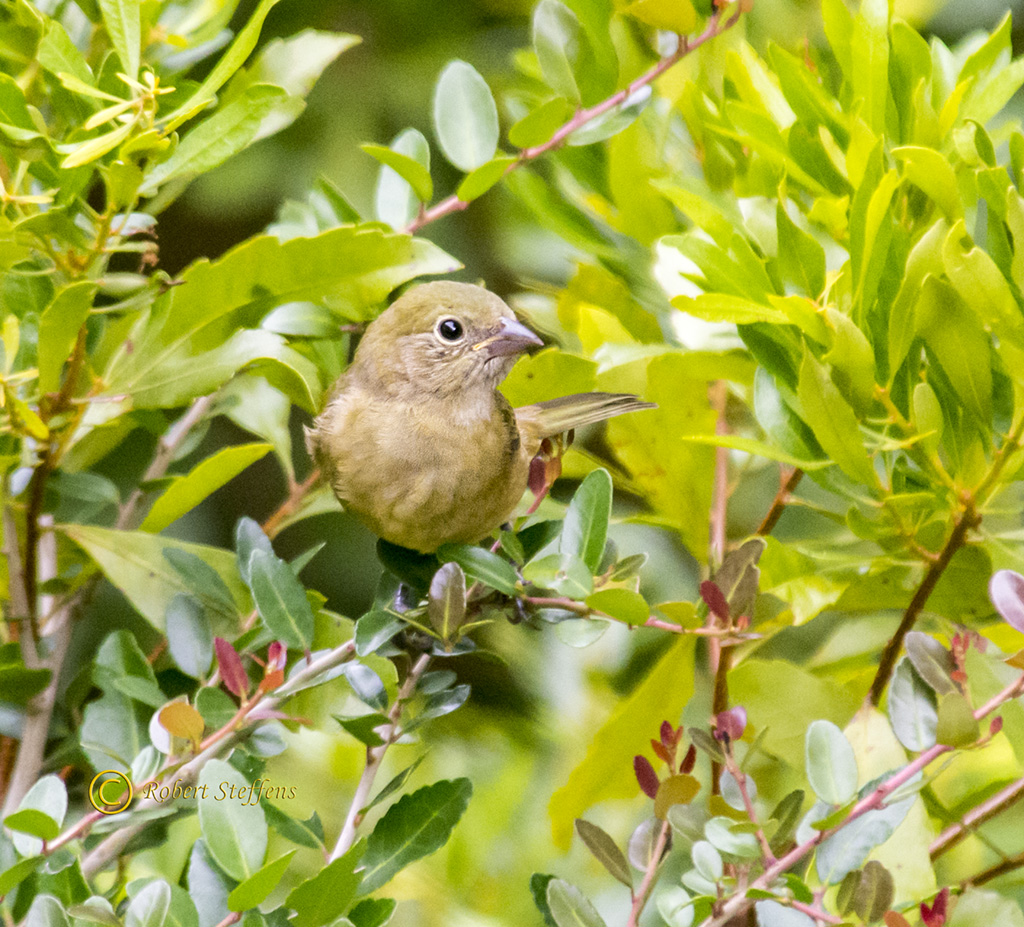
(827, 729)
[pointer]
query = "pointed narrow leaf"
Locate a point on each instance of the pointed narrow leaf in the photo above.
(409, 169)
(254, 890)
(414, 827)
(327, 895)
(481, 565)
(585, 528)
(833, 422)
(280, 599)
(186, 492)
(605, 851)
(122, 22)
(934, 664)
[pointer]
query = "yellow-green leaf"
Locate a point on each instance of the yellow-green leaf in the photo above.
(186, 492)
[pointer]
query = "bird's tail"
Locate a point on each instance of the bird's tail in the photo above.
(556, 416)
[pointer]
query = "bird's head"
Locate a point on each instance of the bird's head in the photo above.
(441, 339)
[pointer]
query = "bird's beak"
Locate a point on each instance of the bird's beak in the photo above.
(512, 337)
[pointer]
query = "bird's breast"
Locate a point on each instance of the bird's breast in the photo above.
(426, 473)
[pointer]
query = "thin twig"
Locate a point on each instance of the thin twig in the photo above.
(1003, 799)
(128, 518)
(374, 758)
(211, 747)
(966, 520)
(876, 799)
(719, 655)
(686, 46)
(993, 872)
(39, 710)
(296, 493)
(748, 804)
(780, 502)
(642, 893)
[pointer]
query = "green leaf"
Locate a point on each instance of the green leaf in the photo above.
(122, 22)
(396, 202)
(956, 725)
(222, 135)
(911, 708)
(414, 173)
(58, 330)
(150, 907)
(415, 826)
(831, 764)
(981, 285)
(605, 851)
(671, 15)
(869, 47)
(18, 683)
(585, 527)
(757, 449)
(847, 849)
(801, 258)
(372, 912)
(178, 348)
(480, 180)
(45, 911)
(374, 629)
(979, 908)
(134, 562)
(235, 831)
(362, 728)
(833, 422)
(18, 872)
(621, 604)
(562, 573)
(204, 581)
(606, 771)
(227, 65)
(366, 684)
(189, 636)
(32, 822)
(113, 731)
(281, 600)
(254, 890)
(785, 699)
(933, 662)
(186, 492)
(570, 907)
(773, 914)
(57, 54)
(327, 895)
(465, 116)
(446, 602)
(481, 565)
(721, 307)
(928, 169)
(557, 37)
(537, 127)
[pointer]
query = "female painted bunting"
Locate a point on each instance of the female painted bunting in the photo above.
(415, 438)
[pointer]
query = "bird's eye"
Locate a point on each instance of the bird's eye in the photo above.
(450, 329)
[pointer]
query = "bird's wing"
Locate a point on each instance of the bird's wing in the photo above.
(556, 416)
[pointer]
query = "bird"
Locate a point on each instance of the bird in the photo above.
(415, 438)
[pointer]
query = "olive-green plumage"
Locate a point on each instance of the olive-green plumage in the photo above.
(415, 438)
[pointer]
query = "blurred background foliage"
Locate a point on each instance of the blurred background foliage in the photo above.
(535, 702)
